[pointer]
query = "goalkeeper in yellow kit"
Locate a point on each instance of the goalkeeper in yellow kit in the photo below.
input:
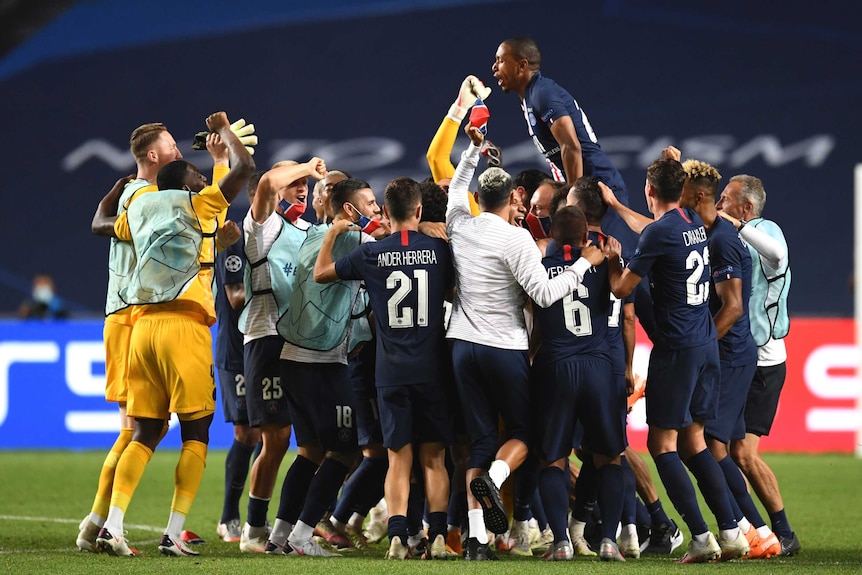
(170, 359)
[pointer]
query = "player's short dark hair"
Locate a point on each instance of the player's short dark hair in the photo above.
(401, 197)
(569, 226)
(588, 196)
(343, 192)
(524, 48)
(495, 187)
(530, 180)
(667, 177)
(558, 198)
(173, 176)
(434, 201)
(143, 137)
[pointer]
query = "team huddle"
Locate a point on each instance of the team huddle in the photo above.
(442, 357)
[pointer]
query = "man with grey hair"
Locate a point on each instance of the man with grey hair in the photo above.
(497, 267)
(742, 203)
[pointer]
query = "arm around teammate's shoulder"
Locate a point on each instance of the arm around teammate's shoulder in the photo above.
(324, 266)
(106, 212)
(525, 262)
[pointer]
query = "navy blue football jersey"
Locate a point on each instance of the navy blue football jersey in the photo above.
(730, 259)
(407, 276)
(544, 103)
(577, 324)
(674, 254)
(616, 345)
(229, 269)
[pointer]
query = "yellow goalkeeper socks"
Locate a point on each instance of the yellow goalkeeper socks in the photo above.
(188, 475)
(106, 477)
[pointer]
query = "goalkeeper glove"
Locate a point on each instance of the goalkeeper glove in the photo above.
(245, 133)
(471, 89)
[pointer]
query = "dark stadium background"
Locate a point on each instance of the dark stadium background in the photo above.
(770, 89)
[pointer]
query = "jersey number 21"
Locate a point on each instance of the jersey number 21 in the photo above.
(406, 316)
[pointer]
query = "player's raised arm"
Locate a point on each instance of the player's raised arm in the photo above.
(634, 220)
(440, 150)
(241, 162)
(459, 187)
(272, 181)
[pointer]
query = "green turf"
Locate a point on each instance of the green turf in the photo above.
(43, 496)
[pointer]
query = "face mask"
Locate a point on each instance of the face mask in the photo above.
(365, 223)
(479, 116)
(539, 227)
(43, 294)
(291, 212)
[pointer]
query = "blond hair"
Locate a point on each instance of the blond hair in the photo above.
(142, 138)
(702, 175)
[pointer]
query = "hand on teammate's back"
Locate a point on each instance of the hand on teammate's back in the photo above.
(725, 216)
(593, 254)
(612, 247)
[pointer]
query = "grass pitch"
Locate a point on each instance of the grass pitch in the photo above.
(44, 495)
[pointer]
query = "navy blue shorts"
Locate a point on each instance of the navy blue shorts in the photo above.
(232, 385)
(414, 413)
(492, 383)
(730, 423)
(585, 390)
(762, 403)
(450, 388)
(682, 386)
(321, 405)
(361, 372)
(266, 400)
